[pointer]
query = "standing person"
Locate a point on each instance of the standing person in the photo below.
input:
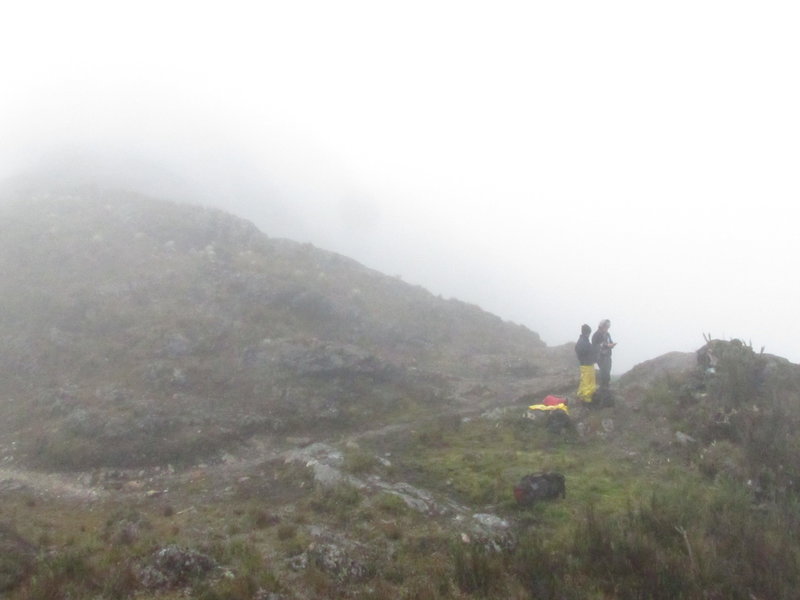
(586, 357)
(603, 345)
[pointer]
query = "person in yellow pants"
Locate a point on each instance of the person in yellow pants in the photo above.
(586, 357)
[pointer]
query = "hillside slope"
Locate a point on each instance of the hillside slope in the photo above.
(684, 489)
(300, 427)
(141, 331)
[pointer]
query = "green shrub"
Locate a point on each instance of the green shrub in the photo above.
(238, 587)
(358, 461)
(391, 504)
(286, 531)
(738, 377)
(259, 518)
(477, 570)
(61, 576)
(722, 458)
(121, 581)
(16, 557)
(339, 500)
(540, 570)
(688, 542)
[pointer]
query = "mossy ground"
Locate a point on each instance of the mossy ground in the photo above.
(635, 523)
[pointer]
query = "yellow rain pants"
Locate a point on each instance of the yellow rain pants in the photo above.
(588, 384)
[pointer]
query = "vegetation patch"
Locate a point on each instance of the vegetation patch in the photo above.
(686, 489)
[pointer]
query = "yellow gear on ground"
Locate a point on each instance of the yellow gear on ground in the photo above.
(588, 384)
(545, 407)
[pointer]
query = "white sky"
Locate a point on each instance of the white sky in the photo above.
(553, 162)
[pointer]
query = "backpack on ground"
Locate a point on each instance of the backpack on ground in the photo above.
(540, 486)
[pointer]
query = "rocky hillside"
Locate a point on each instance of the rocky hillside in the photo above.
(138, 331)
(686, 488)
(732, 411)
(227, 416)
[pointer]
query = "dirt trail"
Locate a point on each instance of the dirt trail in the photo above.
(52, 484)
(231, 465)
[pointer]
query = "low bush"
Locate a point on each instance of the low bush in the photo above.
(16, 557)
(476, 569)
(60, 576)
(358, 461)
(339, 501)
(691, 542)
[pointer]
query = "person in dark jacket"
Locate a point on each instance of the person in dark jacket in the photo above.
(603, 345)
(586, 357)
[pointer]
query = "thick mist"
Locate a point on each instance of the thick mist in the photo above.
(553, 165)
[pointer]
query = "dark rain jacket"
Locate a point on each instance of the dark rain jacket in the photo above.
(585, 351)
